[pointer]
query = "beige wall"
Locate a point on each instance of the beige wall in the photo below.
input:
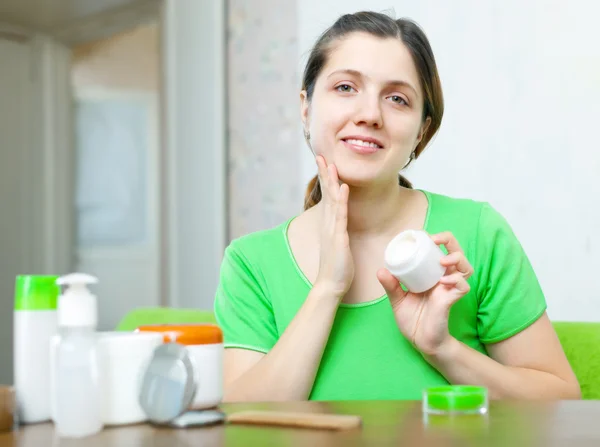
(129, 60)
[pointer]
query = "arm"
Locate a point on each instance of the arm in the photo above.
(528, 365)
(288, 371)
(523, 363)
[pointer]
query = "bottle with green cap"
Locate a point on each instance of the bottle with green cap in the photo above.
(35, 322)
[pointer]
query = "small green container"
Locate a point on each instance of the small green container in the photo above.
(36, 292)
(455, 399)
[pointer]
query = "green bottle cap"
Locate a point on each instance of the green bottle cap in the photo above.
(36, 292)
(455, 399)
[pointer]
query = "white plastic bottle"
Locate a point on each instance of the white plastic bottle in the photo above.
(414, 259)
(77, 374)
(34, 326)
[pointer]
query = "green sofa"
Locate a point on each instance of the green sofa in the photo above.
(164, 315)
(581, 341)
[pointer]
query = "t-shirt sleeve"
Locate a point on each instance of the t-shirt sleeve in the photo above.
(509, 294)
(242, 309)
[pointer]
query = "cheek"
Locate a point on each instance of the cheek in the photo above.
(326, 123)
(406, 131)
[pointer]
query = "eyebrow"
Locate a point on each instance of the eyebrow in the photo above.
(357, 73)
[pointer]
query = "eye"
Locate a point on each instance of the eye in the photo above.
(398, 100)
(345, 88)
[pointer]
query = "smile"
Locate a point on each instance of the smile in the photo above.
(363, 145)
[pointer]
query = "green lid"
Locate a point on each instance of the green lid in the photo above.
(463, 399)
(36, 292)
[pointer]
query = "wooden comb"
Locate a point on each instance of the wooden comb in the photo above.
(296, 419)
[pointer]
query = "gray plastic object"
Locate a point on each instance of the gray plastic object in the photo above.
(198, 419)
(168, 384)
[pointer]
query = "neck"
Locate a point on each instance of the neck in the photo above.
(375, 210)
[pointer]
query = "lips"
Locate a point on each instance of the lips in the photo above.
(361, 140)
(362, 145)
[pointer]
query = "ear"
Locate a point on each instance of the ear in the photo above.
(423, 130)
(304, 103)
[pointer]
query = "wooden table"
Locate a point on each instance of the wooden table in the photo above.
(508, 424)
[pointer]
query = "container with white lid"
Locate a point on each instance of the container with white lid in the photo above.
(123, 357)
(122, 360)
(414, 259)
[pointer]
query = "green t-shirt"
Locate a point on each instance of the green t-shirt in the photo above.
(262, 288)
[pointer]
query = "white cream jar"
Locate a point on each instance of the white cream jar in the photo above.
(414, 259)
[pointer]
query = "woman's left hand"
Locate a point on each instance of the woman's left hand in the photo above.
(423, 317)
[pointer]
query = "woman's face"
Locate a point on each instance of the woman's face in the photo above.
(365, 115)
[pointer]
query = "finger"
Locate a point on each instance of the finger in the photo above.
(334, 184)
(391, 286)
(457, 281)
(414, 334)
(448, 240)
(458, 262)
(342, 210)
(321, 164)
(323, 176)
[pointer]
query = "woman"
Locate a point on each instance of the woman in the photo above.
(307, 309)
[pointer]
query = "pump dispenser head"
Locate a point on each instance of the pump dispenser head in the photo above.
(77, 305)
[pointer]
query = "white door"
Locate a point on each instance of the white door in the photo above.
(116, 96)
(117, 204)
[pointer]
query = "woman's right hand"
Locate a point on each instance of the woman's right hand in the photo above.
(336, 266)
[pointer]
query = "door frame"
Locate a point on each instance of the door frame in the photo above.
(195, 156)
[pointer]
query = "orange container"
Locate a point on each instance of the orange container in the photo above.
(187, 334)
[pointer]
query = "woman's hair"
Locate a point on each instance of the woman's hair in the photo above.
(383, 26)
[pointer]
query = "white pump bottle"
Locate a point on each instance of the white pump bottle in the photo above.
(78, 405)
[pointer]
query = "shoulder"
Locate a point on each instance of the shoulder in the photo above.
(476, 224)
(454, 205)
(258, 245)
(461, 213)
(250, 258)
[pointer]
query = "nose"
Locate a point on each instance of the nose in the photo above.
(368, 111)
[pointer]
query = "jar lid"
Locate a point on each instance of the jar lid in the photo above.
(464, 399)
(187, 334)
(168, 384)
(36, 292)
(402, 248)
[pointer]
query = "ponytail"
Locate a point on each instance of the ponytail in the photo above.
(404, 182)
(313, 193)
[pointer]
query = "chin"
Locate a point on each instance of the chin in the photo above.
(359, 176)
